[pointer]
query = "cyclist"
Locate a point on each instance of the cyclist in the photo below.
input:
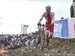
(49, 25)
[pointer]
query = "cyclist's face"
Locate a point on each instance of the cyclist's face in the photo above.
(48, 9)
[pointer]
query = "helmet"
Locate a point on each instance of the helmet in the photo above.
(48, 8)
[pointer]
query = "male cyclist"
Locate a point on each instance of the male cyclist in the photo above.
(49, 25)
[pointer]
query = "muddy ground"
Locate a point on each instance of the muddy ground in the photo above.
(57, 47)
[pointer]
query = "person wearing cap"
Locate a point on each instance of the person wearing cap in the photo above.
(49, 25)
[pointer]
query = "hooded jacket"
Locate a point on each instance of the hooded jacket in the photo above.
(72, 10)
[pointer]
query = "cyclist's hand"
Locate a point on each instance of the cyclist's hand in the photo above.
(38, 23)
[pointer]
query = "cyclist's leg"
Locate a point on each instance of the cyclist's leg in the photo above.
(51, 35)
(46, 38)
(46, 35)
(51, 31)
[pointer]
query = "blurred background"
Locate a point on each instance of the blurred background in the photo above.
(14, 13)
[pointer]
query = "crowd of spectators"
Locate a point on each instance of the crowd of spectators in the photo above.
(16, 41)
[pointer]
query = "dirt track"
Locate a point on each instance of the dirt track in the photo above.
(56, 48)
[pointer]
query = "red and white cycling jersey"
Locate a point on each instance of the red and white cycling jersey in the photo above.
(49, 25)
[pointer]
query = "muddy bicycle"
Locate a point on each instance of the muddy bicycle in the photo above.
(42, 40)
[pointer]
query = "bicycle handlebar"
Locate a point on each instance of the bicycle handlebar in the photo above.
(40, 24)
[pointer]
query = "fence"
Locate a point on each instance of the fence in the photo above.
(65, 28)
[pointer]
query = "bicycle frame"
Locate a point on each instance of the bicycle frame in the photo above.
(41, 35)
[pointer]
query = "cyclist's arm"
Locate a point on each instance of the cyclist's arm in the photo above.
(40, 20)
(42, 17)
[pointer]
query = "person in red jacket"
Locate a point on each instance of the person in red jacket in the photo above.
(49, 25)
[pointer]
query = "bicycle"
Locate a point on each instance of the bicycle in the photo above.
(40, 35)
(44, 41)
